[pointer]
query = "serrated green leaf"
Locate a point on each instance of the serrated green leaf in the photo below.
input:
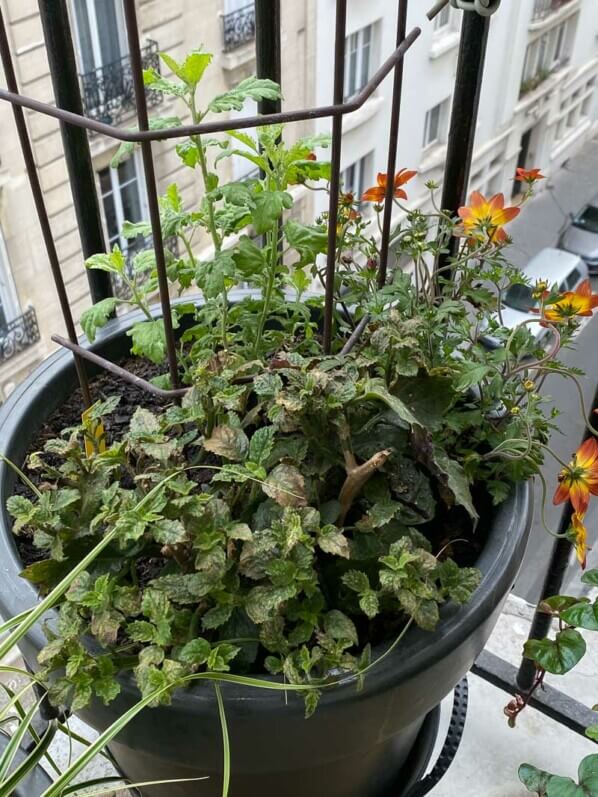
(149, 340)
(195, 652)
(97, 316)
(168, 532)
(251, 88)
(268, 208)
(261, 444)
(356, 581)
(340, 627)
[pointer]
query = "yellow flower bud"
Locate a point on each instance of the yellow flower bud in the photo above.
(529, 385)
(515, 411)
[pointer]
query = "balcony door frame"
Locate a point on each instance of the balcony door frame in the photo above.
(96, 47)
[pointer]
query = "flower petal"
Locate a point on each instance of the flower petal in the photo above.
(579, 495)
(561, 494)
(587, 453)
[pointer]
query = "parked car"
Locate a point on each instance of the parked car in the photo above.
(564, 269)
(581, 236)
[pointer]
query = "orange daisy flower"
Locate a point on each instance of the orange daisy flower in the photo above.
(579, 478)
(529, 175)
(483, 218)
(378, 193)
(580, 302)
(580, 535)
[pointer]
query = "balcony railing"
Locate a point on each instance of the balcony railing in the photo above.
(544, 8)
(239, 27)
(108, 92)
(18, 334)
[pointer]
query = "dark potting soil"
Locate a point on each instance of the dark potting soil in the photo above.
(116, 424)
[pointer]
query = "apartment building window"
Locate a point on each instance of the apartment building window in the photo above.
(435, 124)
(358, 177)
(546, 54)
(100, 32)
(121, 199)
(105, 69)
(358, 60)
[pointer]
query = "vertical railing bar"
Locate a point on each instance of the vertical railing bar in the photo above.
(337, 133)
(464, 116)
(38, 198)
(152, 191)
(267, 49)
(67, 93)
(393, 140)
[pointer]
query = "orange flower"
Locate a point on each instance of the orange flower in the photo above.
(579, 478)
(529, 175)
(483, 218)
(378, 193)
(580, 302)
(580, 535)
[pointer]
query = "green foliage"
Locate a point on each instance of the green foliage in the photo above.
(546, 785)
(298, 506)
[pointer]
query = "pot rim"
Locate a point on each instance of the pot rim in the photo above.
(418, 651)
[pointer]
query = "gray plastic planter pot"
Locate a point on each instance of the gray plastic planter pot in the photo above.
(356, 742)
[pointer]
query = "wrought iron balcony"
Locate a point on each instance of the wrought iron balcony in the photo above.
(18, 334)
(108, 93)
(544, 8)
(239, 27)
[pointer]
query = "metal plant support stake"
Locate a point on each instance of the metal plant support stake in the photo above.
(393, 141)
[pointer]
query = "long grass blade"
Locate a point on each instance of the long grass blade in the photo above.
(36, 738)
(225, 742)
(15, 740)
(76, 790)
(14, 698)
(25, 479)
(18, 618)
(28, 764)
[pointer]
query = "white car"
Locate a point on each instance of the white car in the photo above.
(563, 269)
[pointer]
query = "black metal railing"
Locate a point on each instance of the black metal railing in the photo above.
(18, 334)
(544, 8)
(108, 92)
(238, 27)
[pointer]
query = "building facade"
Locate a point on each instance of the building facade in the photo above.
(538, 106)
(29, 311)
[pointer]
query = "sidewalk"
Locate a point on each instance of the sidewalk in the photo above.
(491, 752)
